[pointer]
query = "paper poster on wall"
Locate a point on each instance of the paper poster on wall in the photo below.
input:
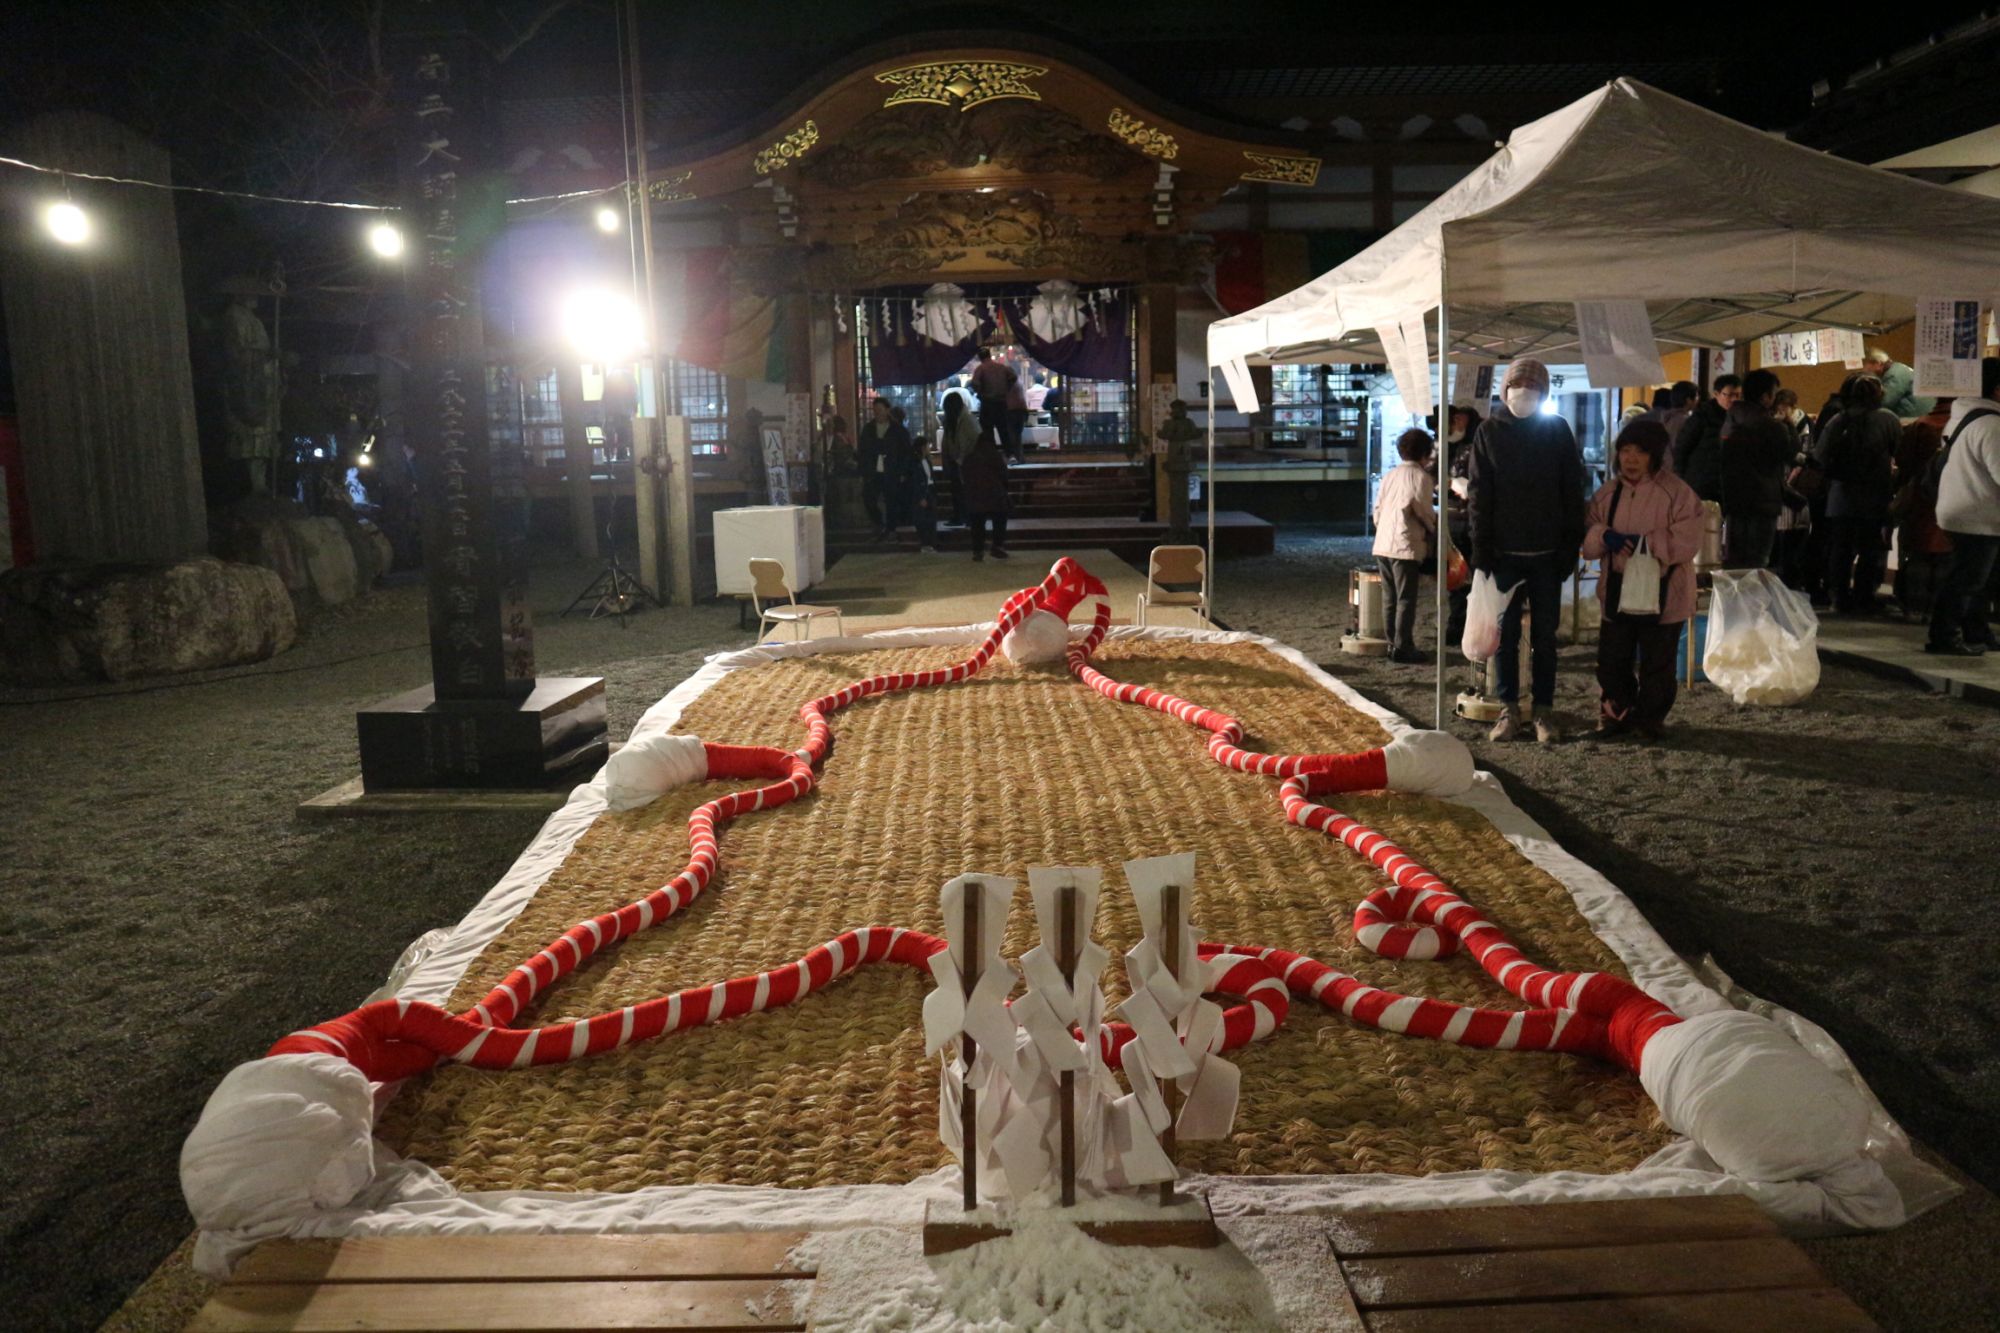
(777, 476)
(1472, 386)
(1721, 361)
(1947, 347)
(1616, 339)
(798, 427)
(1842, 345)
(1790, 349)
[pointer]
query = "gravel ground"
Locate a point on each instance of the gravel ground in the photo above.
(163, 905)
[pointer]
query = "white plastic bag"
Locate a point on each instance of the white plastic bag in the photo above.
(1763, 639)
(1483, 609)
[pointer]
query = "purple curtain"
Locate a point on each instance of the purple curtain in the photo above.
(1102, 350)
(899, 354)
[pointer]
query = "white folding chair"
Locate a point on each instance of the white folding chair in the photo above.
(771, 594)
(1176, 576)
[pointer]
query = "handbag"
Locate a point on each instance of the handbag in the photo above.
(1637, 591)
(1639, 584)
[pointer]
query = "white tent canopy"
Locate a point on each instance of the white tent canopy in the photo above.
(1629, 193)
(1727, 233)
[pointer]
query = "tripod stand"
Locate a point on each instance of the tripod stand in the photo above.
(616, 590)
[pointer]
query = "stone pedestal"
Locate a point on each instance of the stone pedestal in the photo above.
(414, 741)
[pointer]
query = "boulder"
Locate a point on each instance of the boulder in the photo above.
(328, 557)
(268, 542)
(118, 622)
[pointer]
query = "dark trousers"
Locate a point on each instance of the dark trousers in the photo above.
(1399, 602)
(1748, 538)
(952, 479)
(993, 417)
(1541, 599)
(1635, 669)
(1808, 573)
(1961, 609)
(871, 498)
(923, 514)
(1012, 421)
(979, 522)
(1855, 559)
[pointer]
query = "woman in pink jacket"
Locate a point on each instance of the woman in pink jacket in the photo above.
(1635, 653)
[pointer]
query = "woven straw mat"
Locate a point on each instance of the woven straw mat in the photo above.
(1019, 766)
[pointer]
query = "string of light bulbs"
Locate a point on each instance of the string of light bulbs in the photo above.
(69, 224)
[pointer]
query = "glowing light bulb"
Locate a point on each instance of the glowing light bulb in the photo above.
(385, 240)
(607, 219)
(602, 326)
(67, 223)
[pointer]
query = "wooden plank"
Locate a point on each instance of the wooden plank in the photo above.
(706, 1255)
(1547, 1226)
(381, 1307)
(1822, 1309)
(1599, 1270)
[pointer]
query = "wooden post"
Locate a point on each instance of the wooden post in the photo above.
(1066, 951)
(577, 460)
(968, 1116)
(646, 502)
(1170, 919)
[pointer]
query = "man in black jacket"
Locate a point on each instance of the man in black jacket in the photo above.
(1698, 447)
(1757, 450)
(1527, 526)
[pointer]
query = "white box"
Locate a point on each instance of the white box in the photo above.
(793, 535)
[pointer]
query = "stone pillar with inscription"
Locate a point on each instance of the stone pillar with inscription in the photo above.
(485, 720)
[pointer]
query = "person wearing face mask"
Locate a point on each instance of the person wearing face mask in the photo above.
(1635, 653)
(1698, 446)
(1527, 526)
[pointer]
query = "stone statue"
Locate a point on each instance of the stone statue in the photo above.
(1180, 434)
(250, 391)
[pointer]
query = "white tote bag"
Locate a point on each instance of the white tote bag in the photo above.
(1639, 592)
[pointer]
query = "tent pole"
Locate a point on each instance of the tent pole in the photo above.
(1443, 541)
(1208, 493)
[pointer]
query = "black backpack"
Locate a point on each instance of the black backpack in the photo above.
(1934, 470)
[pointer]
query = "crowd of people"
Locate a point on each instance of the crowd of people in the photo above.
(899, 488)
(1739, 478)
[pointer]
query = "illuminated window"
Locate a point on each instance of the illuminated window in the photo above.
(702, 396)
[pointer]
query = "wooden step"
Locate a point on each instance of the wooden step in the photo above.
(693, 1281)
(1694, 1263)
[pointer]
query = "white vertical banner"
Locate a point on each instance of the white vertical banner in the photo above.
(1947, 347)
(1406, 347)
(1789, 349)
(1837, 345)
(1616, 341)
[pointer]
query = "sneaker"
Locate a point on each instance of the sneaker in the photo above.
(1956, 648)
(1652, 733)
(1408, 656)
(1507, 727)
(1547, 730)
(999, 554)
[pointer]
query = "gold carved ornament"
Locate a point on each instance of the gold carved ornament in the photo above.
(667, 189)
(788, 149)
(960, 83)
(1147, 139)
(1280, 170)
